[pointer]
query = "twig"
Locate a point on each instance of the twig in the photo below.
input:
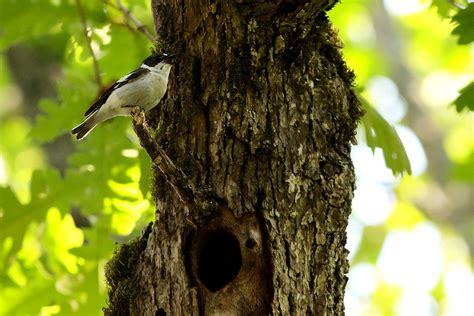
(140, 26)
(457, 5)
(125, 25)
(82, 17)
(129, 17)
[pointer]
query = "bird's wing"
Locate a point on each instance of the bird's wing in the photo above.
(134, 75)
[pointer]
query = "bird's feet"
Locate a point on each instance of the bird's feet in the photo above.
(138, 115)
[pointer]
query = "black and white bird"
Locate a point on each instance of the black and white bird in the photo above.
(143, 87)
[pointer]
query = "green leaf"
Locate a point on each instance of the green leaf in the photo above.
(46, 128)
(444, 7)
(97, 246)
(92, 288)
(22, 20)
(385, 298)
(370, 244)
(466, 98)
(145, 172)
(14, 220)
(379, 133)
(113, 67)
(28, 300)
(76, 92)
(465, 24)
(404, 216)
(27, 19)
(61, 235)
(47, 191)
(464, 171)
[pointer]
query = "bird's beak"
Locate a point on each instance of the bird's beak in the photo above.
(169, 59)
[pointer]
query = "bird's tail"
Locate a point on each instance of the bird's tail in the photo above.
(85, 127)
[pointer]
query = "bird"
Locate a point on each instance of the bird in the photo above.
(144, 87)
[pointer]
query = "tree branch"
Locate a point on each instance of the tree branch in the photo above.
(173, 175)
(130, 18)
(82, 17)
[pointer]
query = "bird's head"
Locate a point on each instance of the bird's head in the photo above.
(155, 59)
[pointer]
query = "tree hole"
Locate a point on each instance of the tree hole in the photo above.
(219, 261)
(250, 243)
(160, 312)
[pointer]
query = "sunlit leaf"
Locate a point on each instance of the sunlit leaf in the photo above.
(404, 216)
(31, 248)
(370, 245)
(16, 19)
(114, 67)
(126, 214)
(379, 133)
(444, 7)
(465, 24)
(16, 274)
(15, 218)
(60, 236)
(464, 171)
(30, 299)
(459, 143)
(96, 246)
(76, 92)
(466, 98)
(385, 297)
(145, 172)
(46, 191)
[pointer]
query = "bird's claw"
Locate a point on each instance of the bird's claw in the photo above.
(136, 110)
(138, 115)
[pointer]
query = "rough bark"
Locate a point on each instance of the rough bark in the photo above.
(260, 116)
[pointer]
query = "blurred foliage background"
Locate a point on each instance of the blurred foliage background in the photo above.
(64, 205)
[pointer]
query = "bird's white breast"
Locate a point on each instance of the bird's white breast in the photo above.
(145, 92)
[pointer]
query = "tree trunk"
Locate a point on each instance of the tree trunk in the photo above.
(260, 115)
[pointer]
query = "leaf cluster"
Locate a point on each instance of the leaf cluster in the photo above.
(461, 14)
(464, 21)
(57, 234)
